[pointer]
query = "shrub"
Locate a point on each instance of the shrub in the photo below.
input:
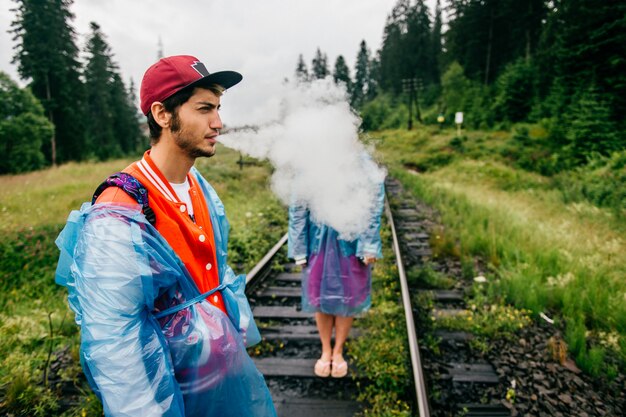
(601, 182)
(383, 113)
(23, 129)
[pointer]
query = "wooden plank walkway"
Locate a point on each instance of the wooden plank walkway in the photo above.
(309, 407)
(483, 373)
(301, 332)
(279, 312)
(444, 295)
(279, 292)
(289, 277)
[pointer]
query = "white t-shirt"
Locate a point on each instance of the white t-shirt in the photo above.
(182, 191)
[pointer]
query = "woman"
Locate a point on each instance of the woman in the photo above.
(336, 282)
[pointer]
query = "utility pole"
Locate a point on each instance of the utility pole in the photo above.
(418, 87)
(408, 87)
(412, 87)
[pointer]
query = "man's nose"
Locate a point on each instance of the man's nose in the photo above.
(216, 122)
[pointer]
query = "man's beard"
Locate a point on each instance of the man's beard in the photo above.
(185, 142)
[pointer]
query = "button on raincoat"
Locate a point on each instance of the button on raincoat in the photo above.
(151, 345)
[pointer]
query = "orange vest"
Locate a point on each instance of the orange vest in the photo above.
(191, 239)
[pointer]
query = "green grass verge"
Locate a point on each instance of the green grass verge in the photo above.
(382, 352)
(545, 254)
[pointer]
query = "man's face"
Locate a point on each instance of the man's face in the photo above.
(196, 124)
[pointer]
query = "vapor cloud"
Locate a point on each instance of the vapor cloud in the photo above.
(310, 136)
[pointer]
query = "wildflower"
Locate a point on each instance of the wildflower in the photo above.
(480, 279)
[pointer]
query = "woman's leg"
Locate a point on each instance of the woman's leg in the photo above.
(342, 329)
(325, 328)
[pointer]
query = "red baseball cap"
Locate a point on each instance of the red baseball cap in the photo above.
(171, 74)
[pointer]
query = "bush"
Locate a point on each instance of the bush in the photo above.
(460, 94)
(383, 113)
(601, 182)
(23, 129)
(529, 153)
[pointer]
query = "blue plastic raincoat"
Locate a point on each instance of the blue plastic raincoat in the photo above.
(335, 281)
(150, 344)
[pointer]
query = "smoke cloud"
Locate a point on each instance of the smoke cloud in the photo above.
(310, 136)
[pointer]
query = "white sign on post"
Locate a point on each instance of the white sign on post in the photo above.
(458, 119)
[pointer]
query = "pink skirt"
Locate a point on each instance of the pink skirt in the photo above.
(336, 284)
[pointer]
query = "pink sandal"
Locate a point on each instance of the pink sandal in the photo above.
(322, 368)
(340, 369)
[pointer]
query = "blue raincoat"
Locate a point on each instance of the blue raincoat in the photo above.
(150, 344)
(335, 281)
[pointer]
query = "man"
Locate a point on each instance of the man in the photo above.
(164, 319)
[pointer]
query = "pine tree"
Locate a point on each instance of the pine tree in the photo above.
(113, 128)
(46, 55)
(160, 53)
(418, 44)
(361, 76)
(373, 86)
(98, 77)
(319, 65)
(133, 103)
(486, 35)
(515, 91)
(584, 44)
(437, 45)
(341, 74)
(407, 50)
(302, 73)
(126, 124)
(391, 68)
(590, 129)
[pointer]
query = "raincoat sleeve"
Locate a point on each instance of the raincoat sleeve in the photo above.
(298, 239)
(123, 351)
(369, 243)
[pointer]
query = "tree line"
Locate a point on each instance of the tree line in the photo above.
(557, 63)
(72, 109)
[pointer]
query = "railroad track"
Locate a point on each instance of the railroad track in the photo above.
(452, 382)
(274, 293)
(273, 287)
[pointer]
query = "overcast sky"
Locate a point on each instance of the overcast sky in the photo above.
(259, 38)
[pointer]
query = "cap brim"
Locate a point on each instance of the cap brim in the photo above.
(226, 79)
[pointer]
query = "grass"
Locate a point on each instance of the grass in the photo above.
(382, 353)
(547, 255)
(34, 317)
(46, 197)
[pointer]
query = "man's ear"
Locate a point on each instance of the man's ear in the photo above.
(161, 116)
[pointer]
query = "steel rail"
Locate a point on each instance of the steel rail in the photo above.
(416, 363)
(263, 262)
